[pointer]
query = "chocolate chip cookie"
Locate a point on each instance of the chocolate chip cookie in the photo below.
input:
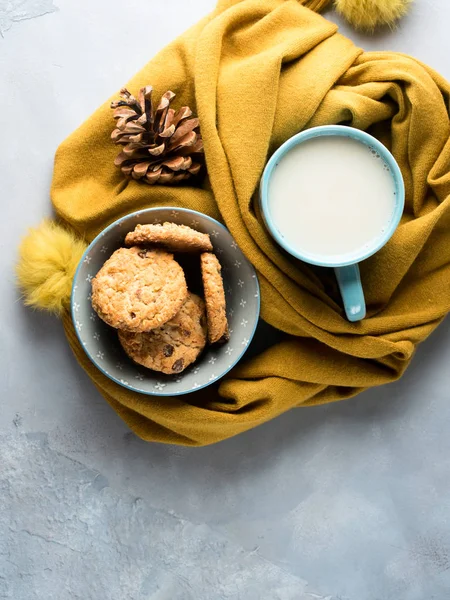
(173, 346)
(138, 289)
(214, 298)
(175, 238)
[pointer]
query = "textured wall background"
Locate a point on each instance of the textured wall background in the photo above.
(341, 502)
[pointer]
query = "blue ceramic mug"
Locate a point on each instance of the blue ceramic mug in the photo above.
(346, 267)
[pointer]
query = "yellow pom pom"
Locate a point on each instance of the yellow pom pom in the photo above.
(49, 256)
(368, 14)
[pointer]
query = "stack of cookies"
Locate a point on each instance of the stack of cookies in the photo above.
(141, 291)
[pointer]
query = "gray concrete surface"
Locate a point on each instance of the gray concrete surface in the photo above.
(342, 502)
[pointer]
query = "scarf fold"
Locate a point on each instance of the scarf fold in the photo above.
(257, 72)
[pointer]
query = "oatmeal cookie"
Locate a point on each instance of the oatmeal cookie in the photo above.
(175, 238)
(214, 298)
(174, 346)
(138, 289)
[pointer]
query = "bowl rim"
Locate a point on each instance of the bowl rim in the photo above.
(98, 237)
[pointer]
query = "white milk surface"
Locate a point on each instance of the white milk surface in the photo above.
(331, 196)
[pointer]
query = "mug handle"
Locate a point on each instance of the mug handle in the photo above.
(349, 281)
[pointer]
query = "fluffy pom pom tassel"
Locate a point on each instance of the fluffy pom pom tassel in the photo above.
(48, 258)
(369, 14)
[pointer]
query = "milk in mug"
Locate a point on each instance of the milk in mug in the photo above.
(331, 196)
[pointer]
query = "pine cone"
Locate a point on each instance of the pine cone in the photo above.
(159, 146)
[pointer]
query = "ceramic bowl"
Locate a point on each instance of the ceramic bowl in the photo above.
(100, 342)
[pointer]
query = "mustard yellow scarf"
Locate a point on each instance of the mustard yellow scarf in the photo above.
(257, 72)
